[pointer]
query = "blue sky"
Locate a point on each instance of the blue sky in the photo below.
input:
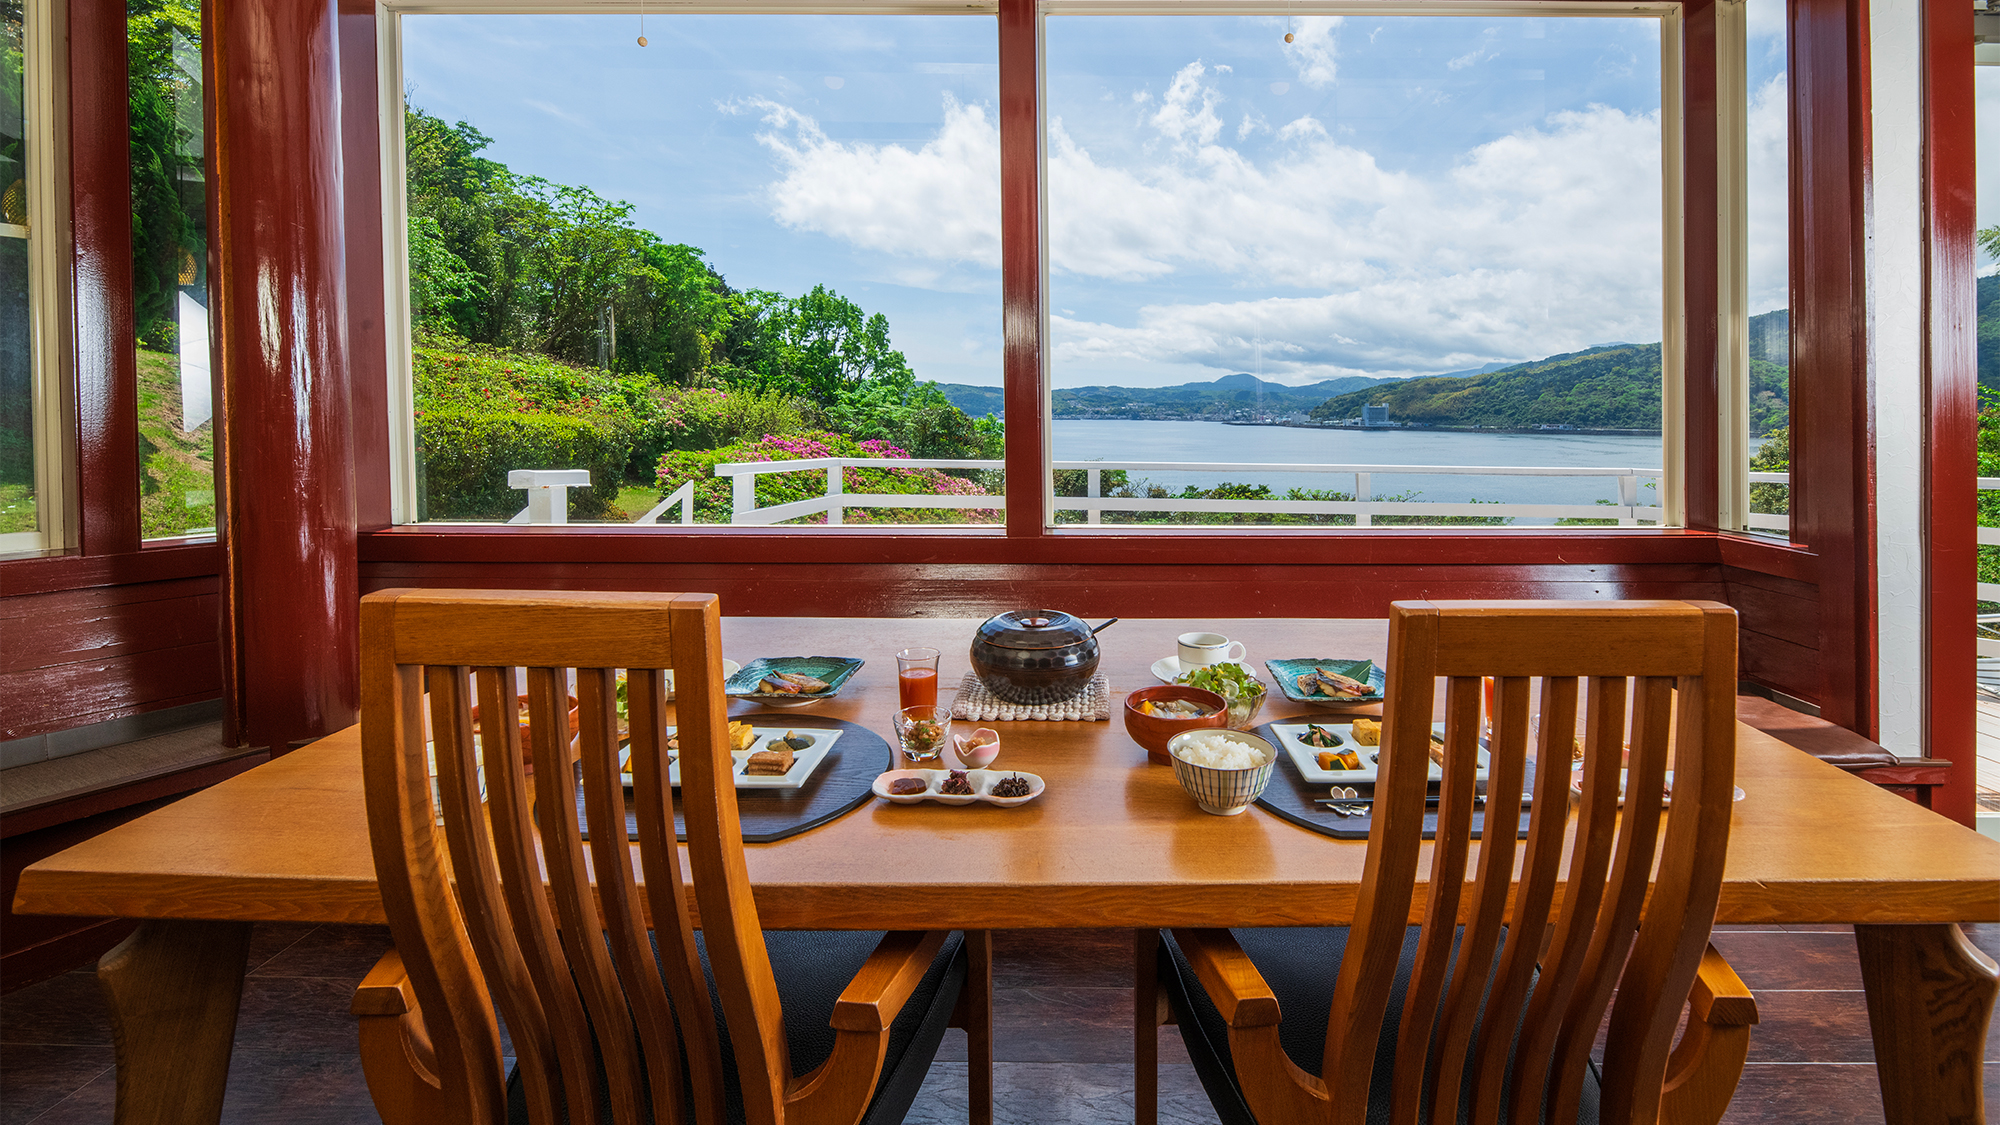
(1384, 196)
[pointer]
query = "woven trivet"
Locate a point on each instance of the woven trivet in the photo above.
(976, 704)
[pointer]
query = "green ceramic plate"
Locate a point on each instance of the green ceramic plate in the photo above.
(835, 670)
(1287, 673)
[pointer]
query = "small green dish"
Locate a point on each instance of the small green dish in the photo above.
(1287, 673)
(835, 670)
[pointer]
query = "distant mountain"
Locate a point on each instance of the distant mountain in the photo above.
(1239, 396)
(1599, 388)
(1616, 386)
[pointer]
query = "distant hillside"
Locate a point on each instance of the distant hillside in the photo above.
(1989, 331)
(1611, 387)
(1233, 396)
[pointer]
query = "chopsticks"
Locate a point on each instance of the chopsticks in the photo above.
(1361, 806)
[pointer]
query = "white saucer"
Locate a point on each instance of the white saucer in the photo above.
(1167, 668)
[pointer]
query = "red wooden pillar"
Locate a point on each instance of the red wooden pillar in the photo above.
(1951, 377)
(103, 494)
(284, 446)
(1833, 457)
(1022, 323)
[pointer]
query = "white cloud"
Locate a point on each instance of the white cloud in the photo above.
(1541, 241)
(1178, 119)
(1313, 49)
(1769, 198)
(940, 202)
(1477, 54)
(1302, 127)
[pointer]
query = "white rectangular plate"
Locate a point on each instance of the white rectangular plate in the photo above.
(803, 763)
(1305, 757)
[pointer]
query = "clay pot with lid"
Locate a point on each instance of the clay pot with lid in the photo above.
(1035, 657)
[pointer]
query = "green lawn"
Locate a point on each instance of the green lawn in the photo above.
(176, 467)
(17, 507)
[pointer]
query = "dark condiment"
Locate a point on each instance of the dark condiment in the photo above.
(904, 786)
(1015, 786)
(957, 785)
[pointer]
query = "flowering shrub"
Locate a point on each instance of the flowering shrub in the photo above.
(713, 494)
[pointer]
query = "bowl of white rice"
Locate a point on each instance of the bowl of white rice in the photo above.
(1223, 770)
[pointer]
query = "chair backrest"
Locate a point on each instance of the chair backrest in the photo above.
(1542, 949)
(463, 885)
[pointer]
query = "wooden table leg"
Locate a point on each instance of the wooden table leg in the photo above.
(1930, 995)
(1146, 1028)
(173, 988)
(979, 1026)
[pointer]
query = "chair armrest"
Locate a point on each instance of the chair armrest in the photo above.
(872, 999)
(837, 1091)
(1706, 1064)
(386, 990)
(1719, 997)
(396, 1053)
(1232, 981)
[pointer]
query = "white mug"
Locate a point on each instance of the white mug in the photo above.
(1198, 649)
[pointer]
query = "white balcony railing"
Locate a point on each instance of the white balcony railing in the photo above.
(1624, 507)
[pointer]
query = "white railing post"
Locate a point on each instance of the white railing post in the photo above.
(548, 493)
(1628, 498)
(684, 496)
(1094, 514)
(742, 496)
(1364, 492)
(836, 484)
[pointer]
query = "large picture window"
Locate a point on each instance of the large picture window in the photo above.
(170, 269)
(30, 382)
(745, 268)
(1300, 269)
(1418, 260)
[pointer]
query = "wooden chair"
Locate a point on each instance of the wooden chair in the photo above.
(610, 1023)
(1487, 1011)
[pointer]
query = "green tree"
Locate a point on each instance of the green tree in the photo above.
(1774, 456)
(163, 47)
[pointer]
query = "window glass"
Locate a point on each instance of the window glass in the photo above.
(1769, 282)
(170, 269)
(754, 240)
(1986, 87)
(1377, 250)
(20, 518)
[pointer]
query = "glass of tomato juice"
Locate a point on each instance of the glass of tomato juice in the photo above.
(917, 677)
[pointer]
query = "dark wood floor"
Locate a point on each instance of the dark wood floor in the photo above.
(1063, 1004)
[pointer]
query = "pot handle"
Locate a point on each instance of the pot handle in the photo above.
(1103, 627)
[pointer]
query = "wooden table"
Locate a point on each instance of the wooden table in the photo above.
(1113, 843)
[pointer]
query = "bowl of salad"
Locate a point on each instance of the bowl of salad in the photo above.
(1242, 692)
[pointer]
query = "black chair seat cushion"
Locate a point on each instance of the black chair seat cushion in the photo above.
(812, 968)
(1299, 965)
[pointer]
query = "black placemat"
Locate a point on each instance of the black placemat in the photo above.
(1291, 796)
(843, 782)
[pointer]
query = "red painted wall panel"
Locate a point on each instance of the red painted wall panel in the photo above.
(56, 628)
(974, 590)
(83, 656)
(1775, 607)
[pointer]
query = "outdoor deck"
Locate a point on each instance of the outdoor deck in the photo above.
(1986, 786)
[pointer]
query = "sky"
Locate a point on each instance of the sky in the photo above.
(1383, 196)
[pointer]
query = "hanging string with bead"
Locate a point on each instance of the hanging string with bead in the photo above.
(642, 23)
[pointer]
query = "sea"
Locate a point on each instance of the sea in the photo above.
(1093, 439)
